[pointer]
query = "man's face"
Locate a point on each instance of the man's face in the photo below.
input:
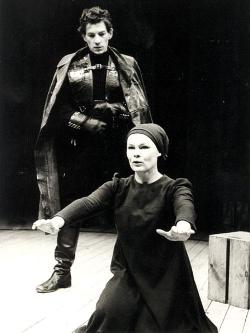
(97, 37)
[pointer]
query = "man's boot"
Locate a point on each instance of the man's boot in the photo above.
(64, 254)
(55, 282)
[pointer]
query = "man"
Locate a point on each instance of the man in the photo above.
(96, 96)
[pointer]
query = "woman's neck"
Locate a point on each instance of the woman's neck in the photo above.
(147, 177)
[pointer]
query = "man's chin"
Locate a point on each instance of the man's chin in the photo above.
(137, 168)
(100, 51)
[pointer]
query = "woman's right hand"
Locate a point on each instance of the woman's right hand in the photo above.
(50, 226)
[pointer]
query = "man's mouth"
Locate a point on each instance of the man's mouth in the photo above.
(137, 162)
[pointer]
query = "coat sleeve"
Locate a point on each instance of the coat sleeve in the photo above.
(86, 207)
(134, 91)
(56, 86)
(183, 201)
(64, 107)
(139, 73)
(147, 115)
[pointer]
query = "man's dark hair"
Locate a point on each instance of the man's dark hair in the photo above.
(92, 16)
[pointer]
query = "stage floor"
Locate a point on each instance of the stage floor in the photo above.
(26, 259)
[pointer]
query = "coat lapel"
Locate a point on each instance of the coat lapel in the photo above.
(126, 71)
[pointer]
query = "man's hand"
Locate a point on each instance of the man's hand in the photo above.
(114, 109)
(80, 121)
(181, 232)
(50, 226)
(117, 109)
(93, 125)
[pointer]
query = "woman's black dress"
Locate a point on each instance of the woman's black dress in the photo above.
(152, 288)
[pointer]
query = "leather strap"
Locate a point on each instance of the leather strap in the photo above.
(98, 66)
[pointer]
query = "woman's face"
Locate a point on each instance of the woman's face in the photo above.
(142, 153)
(97, 37)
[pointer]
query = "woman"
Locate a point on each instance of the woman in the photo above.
(152, 288)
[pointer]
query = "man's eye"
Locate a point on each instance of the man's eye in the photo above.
(102, 34)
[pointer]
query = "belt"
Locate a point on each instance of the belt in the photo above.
(114, 120)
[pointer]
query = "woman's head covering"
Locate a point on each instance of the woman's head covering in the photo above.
(156, 133)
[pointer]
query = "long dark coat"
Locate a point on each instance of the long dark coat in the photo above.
(45, 157)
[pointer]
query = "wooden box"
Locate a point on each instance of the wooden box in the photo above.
(229, 268)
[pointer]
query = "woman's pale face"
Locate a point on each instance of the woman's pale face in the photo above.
(142, 153)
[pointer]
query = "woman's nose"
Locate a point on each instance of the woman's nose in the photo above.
(136, 153)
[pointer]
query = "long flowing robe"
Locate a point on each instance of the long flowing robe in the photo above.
(152, 288)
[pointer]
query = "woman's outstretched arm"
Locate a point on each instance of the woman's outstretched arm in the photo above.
(98, 201)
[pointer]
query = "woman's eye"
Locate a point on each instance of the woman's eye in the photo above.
(130, 148)
(144, 147)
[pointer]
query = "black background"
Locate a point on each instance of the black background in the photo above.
(195, 59)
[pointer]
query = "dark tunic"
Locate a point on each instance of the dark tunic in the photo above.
(153, 288)
(81, 155)
(60, 100)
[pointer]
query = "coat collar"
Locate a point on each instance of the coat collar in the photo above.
(125, 68)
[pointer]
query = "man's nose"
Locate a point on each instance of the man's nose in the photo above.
(97, 40)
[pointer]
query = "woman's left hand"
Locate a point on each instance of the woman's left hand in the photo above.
(181, 232)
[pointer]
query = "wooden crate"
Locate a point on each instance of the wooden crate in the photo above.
(229, 268)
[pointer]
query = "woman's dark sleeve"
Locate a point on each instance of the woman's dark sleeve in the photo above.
(183, 201)
(98, 201)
